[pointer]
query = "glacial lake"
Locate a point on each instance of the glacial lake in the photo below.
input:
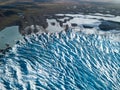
(9, 35)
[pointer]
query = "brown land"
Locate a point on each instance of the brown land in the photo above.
(32, 13)
(29, 13)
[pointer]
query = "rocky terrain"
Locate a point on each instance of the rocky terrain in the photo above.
(29, 14)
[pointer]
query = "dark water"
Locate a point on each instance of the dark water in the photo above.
(65, 61)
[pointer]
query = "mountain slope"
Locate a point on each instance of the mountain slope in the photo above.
(2, 2)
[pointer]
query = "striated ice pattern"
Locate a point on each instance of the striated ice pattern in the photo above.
(62, 61)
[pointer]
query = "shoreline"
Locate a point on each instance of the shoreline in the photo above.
(37, 15)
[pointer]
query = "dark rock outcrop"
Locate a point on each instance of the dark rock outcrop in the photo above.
(109, 25)
(74, 25)
(87, 26)
(9, 13)
(31, 24)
